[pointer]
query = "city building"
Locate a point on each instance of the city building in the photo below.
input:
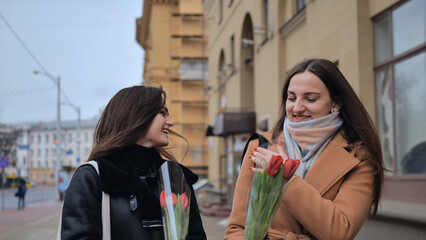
(36, 148)
(174, 36)
(380, 47)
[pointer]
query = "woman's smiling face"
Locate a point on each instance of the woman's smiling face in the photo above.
(158, 132)
(308, 98)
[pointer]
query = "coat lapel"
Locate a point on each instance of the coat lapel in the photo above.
(332, 164)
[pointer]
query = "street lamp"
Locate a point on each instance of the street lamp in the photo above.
(57, 81)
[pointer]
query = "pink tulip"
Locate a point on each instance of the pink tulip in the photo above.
(184, 201)
(163, 201)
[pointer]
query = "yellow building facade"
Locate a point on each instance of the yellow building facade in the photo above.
(174, 37)
(378, 45)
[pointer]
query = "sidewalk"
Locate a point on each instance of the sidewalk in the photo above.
(40, 221)
(36, 221)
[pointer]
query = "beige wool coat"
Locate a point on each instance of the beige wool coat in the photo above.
(332, 202)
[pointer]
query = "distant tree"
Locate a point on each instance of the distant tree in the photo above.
(8, 141)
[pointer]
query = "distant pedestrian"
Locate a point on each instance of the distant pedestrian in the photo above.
(20, 193)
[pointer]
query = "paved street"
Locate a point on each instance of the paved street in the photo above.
(33, 195)
(39, 219)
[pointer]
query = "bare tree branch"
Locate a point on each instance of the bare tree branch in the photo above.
(8, 140)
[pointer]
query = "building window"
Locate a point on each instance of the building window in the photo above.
(195, 154)
(400, 78)
(47, 138)
(70, 137)
(86, 137)
(39, 152)
(39, 139)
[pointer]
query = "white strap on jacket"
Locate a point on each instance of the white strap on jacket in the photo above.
(106, 220)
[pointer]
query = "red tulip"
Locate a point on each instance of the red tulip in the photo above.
(163, 197)
(184, 201)
(274, 165)
(290, 166)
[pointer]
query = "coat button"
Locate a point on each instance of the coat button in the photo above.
(133, 202)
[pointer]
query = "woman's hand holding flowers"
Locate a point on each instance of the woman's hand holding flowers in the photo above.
(261, 156)
(271, 173)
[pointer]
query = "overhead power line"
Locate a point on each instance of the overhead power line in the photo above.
(33, 56)
(23, 43)
(26, 91)
(73, 24)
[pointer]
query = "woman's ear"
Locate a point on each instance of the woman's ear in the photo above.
(335, 108)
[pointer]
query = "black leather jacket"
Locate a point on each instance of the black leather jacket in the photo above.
(135, 208)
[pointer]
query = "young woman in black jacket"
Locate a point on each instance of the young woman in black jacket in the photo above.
(129, 148)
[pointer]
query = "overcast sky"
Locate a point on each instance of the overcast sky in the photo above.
(89, 44)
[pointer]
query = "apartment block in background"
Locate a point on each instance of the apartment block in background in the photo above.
(36, 148)
(174, 37)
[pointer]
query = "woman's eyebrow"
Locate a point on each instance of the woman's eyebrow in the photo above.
(312, 93)
(306, 94)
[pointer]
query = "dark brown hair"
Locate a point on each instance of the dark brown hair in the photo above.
(357, 124)
(126, 118)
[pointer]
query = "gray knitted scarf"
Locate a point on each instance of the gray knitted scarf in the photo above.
(309, 154)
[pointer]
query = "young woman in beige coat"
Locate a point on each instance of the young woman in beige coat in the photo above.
(337, 185)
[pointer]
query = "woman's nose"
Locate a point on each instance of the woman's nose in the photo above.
(170, 122)
(298, 107)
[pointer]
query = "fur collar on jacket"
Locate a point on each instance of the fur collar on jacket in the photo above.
(120, 171)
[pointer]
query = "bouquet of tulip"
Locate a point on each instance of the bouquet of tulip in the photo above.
(175, 198)
(180, 214)
(266, 195)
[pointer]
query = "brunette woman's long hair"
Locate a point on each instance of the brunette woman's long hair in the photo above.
(126, 118)
(357, 124)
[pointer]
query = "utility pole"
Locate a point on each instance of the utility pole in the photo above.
(78, 138)
(58, 139)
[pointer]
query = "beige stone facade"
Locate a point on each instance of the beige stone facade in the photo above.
(253, 44)
(174, 37)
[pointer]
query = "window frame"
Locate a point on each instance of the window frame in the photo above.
(403, 187)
